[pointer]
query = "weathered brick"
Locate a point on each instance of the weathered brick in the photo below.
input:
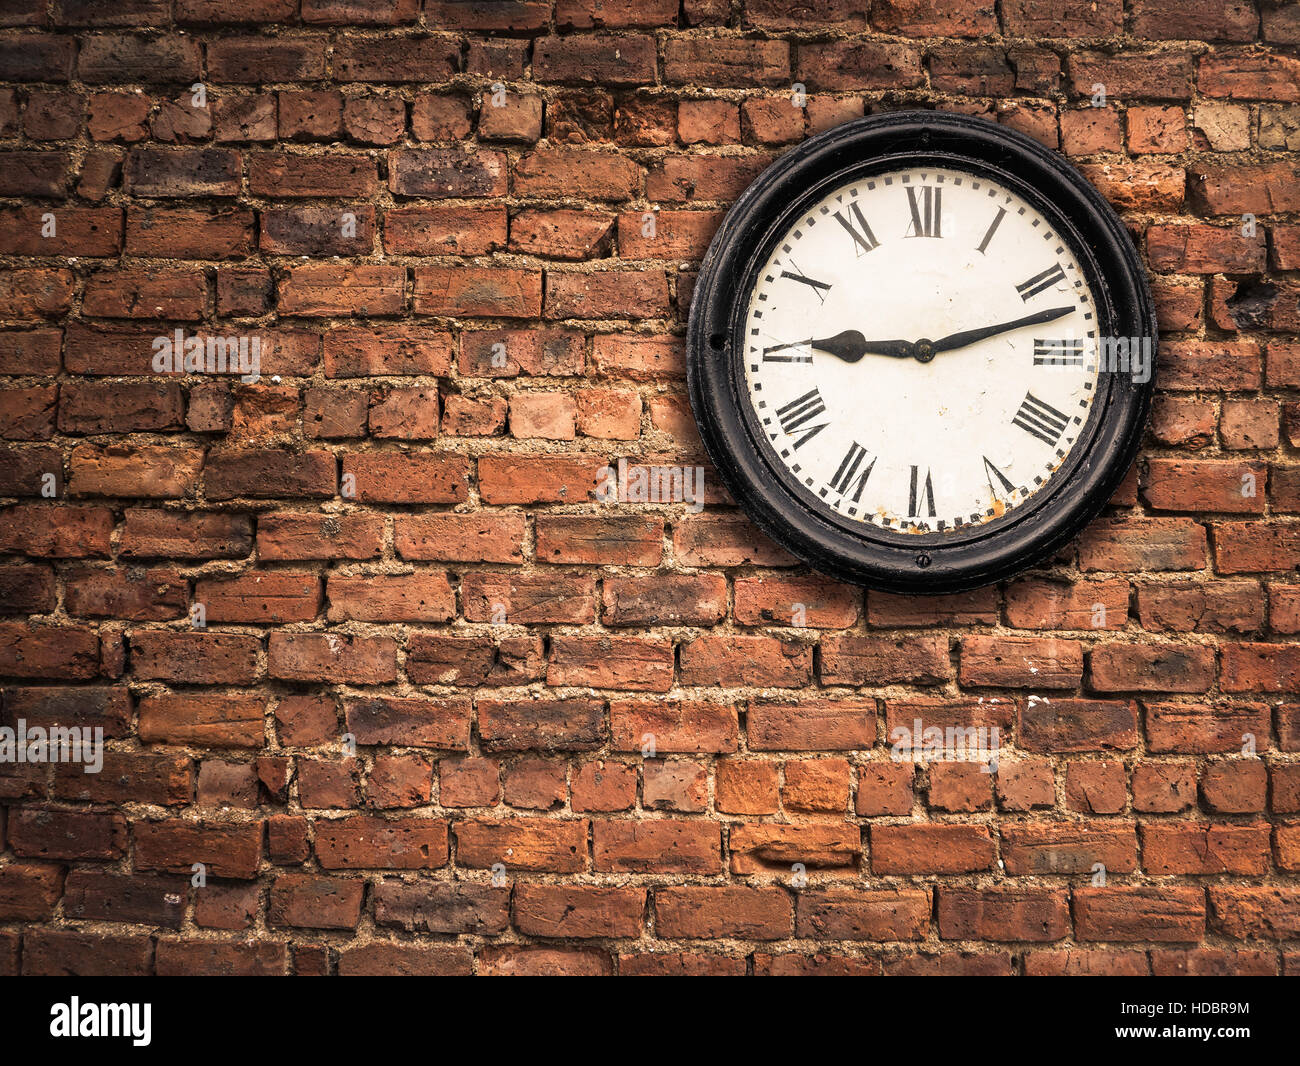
(1139, 914)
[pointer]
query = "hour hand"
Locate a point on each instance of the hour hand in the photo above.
(852, 346)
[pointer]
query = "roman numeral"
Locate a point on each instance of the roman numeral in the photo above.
(817, 287)
(796, 415)
(866, 240)
(993, 228)
(990, 469)
(787, 356)
(1039, 282)
(925, 204)
(848, 470)
(924, 490)
(1058, 353)
(1041, 420)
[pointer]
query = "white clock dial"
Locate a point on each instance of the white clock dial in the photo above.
(920, 350)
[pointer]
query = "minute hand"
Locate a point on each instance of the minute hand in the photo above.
(970, 336)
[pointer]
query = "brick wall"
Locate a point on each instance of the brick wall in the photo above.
(393, 534)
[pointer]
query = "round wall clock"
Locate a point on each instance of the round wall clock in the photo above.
(921, 351)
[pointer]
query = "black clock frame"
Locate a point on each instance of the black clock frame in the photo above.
(862, 553)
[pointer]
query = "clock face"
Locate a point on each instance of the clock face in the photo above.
(921, 350)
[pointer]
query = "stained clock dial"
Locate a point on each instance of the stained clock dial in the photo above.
(920, 351)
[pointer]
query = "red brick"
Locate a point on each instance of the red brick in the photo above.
(282, 536)
(202, 720)
(141, 899)
(1003, 914)
(1261, 667)
(444, 230)
(839, 725)
(1151, 668)
(195, 658)
(546, 725)
(930, 849)
(855, 660)
(469, 782)
(1235, 786)
(618, 61)
(509, 960)
(68, 953)
(1205, 485)
(1196, 728)
(1193, 848)
(1163, 787)
(1165, 914)
(522, 844)
(436, 173)
(611, 662)
(1045, 848)
(673, 725)
(1099, 787)
(424, 596)
(662, 845)
(311, 902)
(269, 596)
(478, 292)
(390, 477)
(332, 657)
(327, 289)
(79, 231)
(250, 60)
(1270, 912)
(664, 599)
(1213, 962)
(1023, 785)
(919, 18)
(409, 721)
(1246, 76)
(35, 173)
(363, 842)
(855, 65)
(1021, 662)
(603, 785)
(578, 911)
(384, 959)
(226, 850)
(562, 172)
(1034, 603)
(959, 786)
(639, 294)
(182, 173)
(1260, 189)
(434, 659)
(709, 912)
(1081, 962)
(388, 59)
(745, 660)
(441, 907)
(1201, 608)
(528, 598)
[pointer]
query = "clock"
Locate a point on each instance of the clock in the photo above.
(921, 352)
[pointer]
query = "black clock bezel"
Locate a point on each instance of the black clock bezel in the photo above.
(1057, 226)
(860, 552)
